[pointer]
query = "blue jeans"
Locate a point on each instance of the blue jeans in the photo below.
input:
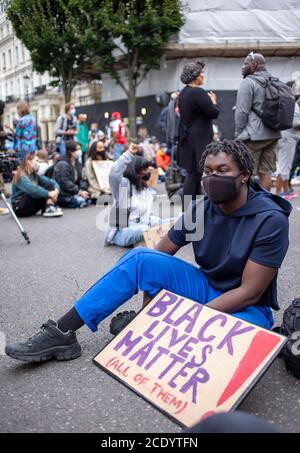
(76, 201)
(61, 148)
(125, 237)
(150, 271)
(118, 149)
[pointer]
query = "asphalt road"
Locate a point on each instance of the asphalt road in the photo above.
(41, 281)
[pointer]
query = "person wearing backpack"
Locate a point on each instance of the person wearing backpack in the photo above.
(254, 117)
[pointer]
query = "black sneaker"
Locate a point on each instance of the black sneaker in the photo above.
(120, 321)
(48, 343)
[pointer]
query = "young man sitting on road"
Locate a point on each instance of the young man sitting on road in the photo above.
(244, 243)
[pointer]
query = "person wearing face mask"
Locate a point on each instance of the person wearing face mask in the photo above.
(238, 255)
(32, 192)
(97, 152)
(128, 181)
(68, 173)
(66, 128)
(197, 110)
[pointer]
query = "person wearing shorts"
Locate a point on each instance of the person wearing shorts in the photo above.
(264, 156)
(260, 140)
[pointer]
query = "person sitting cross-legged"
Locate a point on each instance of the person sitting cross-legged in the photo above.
(32, 192)
(244, 242)
(68, 173)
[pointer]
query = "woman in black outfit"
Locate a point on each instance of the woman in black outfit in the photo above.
(197, 110)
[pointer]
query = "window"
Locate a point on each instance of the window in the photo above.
(23, 53)
(11, 92)
(7, 29)
(4, 61)
(17, 55)
(18, 88)
(10, 63)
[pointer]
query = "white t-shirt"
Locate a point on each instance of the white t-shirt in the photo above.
(42, 168)
(293, 133)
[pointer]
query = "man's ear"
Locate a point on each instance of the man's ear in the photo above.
(254, 66)
(246, 177)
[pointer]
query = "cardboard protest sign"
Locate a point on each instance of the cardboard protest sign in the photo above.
(189, 360)
(102, 169)
(155, 234)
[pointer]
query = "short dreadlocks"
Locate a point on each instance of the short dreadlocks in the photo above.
(234, 148)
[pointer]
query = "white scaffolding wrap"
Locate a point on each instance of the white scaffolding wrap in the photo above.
(240, 20)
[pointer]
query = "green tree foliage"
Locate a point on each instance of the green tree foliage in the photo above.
(132, 34)
(65, 37)
(49, 30)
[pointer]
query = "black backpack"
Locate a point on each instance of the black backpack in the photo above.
(290, 327)
(278, 106)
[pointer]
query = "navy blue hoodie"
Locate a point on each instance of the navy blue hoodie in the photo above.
(257, 231)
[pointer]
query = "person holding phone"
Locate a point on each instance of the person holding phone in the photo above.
(128, 182)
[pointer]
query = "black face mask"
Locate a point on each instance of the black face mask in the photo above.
(220, 189)
(100, 153)
(146, 176)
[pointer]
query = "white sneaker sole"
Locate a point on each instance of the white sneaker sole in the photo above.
(56, 214)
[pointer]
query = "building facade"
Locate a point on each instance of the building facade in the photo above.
(18, 81)
(219, 32)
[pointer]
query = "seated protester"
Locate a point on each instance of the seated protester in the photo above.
(68, 173)
(97, 152)
(162, 159)
(54, 159)
(131, 173)
(31, 192)
(244, 242)
(79, 153)
(174, 181)
(43, 162)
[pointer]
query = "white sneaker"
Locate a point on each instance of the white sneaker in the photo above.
(295, 181)
(53, 211)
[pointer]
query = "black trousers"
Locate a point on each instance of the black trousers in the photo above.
(26, 206)
(192, 184)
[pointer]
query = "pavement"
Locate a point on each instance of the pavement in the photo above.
(42, 280)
